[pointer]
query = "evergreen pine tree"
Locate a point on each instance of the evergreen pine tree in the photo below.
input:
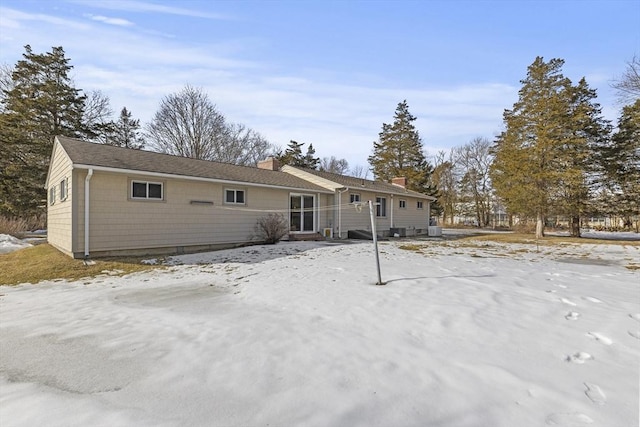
(586, 130)
(293, 156)
(41, 103)
(310, 161)
(126, 132)
(621, 165)
(399, 153)
(523, 171)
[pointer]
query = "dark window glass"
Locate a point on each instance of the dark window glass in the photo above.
(155, 191)
(230, 196)
(140, 189)
(240, 196)
(381, 207)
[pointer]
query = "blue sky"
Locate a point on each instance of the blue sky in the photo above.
(330, 72)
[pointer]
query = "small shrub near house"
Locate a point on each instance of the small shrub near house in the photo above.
(271, 228)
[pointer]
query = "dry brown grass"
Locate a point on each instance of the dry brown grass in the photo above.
(44, 262)
(17, 227)
(546, 241)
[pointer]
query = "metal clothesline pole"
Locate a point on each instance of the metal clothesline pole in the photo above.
(375, 241)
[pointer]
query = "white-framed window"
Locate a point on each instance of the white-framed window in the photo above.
(234, 197)
(402, 204)
(64, 184)
(420, 204)
(52, 195)
(146, 190)
(354, 198)
(381, 206)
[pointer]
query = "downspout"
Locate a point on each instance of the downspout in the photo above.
(86, 213)
(391, 211)
(340, 211)
(317, 215)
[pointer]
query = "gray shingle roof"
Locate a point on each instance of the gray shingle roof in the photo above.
(366, 184)
(99, 155)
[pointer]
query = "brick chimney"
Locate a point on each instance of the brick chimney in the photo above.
(269, 163)
(400, 181)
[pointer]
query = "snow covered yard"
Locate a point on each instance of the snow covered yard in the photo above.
(297, 334)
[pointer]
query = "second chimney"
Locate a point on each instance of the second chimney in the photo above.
(400, 181)
(269, 163)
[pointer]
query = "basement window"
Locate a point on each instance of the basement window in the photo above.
(234, 197)
(146, 190)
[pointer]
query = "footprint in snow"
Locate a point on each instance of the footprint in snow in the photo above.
(579, 357)
(599, 337)
(592, 299)
(572, 315)
(635, 316)
(595, 394)
(568, 302)
(635, 334)
(574, 419)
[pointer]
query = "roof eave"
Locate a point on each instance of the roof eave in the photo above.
(194, 178)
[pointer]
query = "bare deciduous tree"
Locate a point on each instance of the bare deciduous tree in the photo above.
(445, 179)
(96, 116)
(188, 124)
(628, 85)
(359, 171)
(334, 165)
(474, 160)
(243, 146)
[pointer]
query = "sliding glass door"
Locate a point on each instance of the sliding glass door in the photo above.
(302, 213)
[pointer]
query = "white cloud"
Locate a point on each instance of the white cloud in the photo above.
(139, 6)
(111, 21)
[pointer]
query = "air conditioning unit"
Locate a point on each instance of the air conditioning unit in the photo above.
(327, 233)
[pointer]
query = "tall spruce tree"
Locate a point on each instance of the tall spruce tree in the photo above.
(293, 156)
(586, 131)
(40, 103)
(126, 131)
(621, 165)
(399, 153)
(541, 163)
(310, 159)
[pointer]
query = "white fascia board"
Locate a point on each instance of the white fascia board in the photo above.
(321, 182)
(193, 178)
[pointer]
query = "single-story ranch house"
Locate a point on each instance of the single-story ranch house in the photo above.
(105, 200)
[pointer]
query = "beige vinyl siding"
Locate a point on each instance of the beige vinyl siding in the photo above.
(410, 217)
(325, 213)
(118, 222)
(59, 215)
(354, 220)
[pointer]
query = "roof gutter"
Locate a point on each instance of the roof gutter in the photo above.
(86, 213)
(192, 178)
